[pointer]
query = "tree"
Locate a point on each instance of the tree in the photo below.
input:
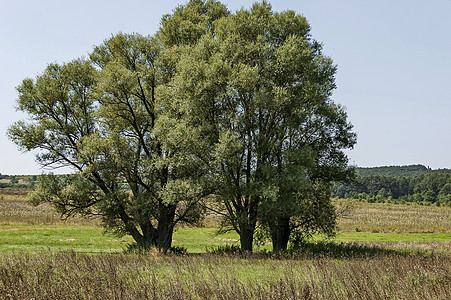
(164, 190)
(102, 125)
(235, 104)
(263, 86)
(444, 196)
(104, 119)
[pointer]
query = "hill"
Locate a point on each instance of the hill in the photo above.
(398, 171)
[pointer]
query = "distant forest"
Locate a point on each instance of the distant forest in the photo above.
(414, 183)
(17, 181)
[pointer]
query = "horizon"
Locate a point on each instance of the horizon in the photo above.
(357, 167)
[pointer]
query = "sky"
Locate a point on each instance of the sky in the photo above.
(393, 57)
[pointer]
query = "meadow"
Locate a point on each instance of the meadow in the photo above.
(401, 226)
(382, 251)
(72, 275)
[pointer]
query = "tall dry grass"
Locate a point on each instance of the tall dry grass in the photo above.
(359, 216)
(395, 218)
(15, 210)
(154, 276)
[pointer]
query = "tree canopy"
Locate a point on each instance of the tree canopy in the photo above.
(263, 86)
(235, 105)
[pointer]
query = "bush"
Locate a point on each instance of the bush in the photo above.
(150, 249)
(339, 250)
(226, 249)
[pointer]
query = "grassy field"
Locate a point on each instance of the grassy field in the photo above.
(71, 275)
(15, 210)
(196, 240)
(23, 227)
(382, 251)
(394, 218)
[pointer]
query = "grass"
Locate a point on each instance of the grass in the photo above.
(59, 237)
(23, 227)
(382, 251)
(92, 238)
(394, 218)
(71, 275)
(392, 237)
(196, 240)
(15, 210)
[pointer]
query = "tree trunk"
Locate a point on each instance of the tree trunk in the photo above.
(164, 235)
(244, 220)
(160, 236)
(280, 234)
(247, 227)
(165, 227)
(247, 238)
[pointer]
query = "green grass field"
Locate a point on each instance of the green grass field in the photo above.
(23, 227)
(196, 240)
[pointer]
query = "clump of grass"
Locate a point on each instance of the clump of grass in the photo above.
(135, 248)
(70, 275)
(342, 250)
(224, 249)
(424, 248)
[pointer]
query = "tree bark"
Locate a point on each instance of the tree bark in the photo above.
(164, 235)
(247, 238)
(165, 227)
(247, 221)
(159, 236)
(280, 234)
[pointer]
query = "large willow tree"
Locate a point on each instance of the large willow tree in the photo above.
(237, 105)
(263, 86)
(101, 117)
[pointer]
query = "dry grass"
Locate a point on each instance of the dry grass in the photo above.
(15, 210)
(395, 218)
(419, 247)
(153, 276)
(360, 216)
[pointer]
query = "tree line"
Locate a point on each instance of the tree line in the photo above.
(396, 171)
(233, 107)
(423, 186)
(17, 181)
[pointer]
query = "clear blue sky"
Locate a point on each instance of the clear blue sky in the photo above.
(394, 65)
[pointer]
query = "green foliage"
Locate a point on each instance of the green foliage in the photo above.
(100, 123)
(188, 23)
(17, 181)
(398, 171)
(226, 249)
(432, 187)
(257, 86)
(235, 104)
